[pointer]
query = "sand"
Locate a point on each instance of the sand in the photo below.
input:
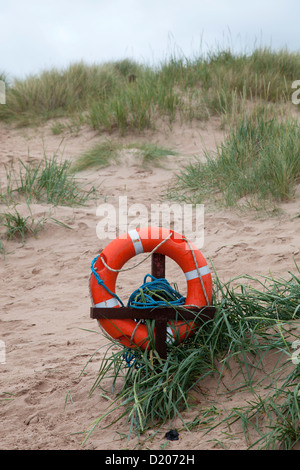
(45, 322)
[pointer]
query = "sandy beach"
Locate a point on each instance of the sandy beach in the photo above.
(45, 324)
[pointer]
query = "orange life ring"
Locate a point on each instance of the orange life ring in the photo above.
(143, 240)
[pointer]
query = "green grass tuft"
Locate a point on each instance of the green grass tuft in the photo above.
(258, 164)
(108, 152)
(18, 227)
(100, 155)
(49, 181)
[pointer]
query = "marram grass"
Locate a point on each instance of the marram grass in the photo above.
(258, 165)
(250, 324)
(49, 181)
(126, 96)
(19, 227)
(108, 153)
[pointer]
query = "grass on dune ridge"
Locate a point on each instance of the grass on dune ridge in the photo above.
(49, 181)
(251, 93)
(125, 95)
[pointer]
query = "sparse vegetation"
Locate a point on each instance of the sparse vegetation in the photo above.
(18, 226)
(109, 152)
(250, 324)
(258, 164)
(47, 181)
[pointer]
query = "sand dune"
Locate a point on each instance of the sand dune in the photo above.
(45, 302)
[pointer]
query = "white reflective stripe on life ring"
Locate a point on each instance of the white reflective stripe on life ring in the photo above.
(137, 244)
(194, 273)
(109, 303)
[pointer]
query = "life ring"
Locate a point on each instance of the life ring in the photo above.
(144, 240)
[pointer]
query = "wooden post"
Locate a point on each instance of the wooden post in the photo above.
(161, 315)
(158, 268)
(161, 337)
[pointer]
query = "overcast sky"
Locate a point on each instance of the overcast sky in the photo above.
(40, 34)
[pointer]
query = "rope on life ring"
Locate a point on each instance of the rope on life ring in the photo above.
(106, 267)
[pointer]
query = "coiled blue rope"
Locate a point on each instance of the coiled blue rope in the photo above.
(153, 293)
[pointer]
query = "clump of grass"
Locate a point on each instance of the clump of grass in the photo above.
(275, 419)
(259, 163)
(109, 152)
(154, 392)
(100, 155)
(49, 180)
(56, 93)
(18, 226)
(129, 108)
(249, 323)
(151, 153)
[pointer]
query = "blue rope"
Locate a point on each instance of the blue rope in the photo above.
(155, 293)
(101, 283)
(131, 358)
